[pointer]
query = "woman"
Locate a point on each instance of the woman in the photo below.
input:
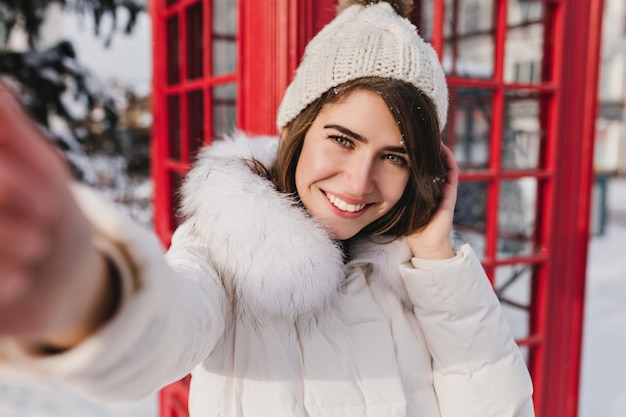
(312, 276)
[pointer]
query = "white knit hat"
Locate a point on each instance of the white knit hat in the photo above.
(365, 41)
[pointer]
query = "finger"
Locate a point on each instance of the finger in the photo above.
(21, 240)
(21, 191)
(452, 179)
(14, 286)
(453, 167)
(21, 138)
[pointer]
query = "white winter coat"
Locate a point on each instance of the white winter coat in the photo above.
(256, 301)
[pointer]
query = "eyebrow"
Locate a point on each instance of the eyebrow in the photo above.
(356, 136)
(347, 132)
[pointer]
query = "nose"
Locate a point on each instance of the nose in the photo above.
(359, 175)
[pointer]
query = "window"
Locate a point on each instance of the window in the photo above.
(197, 103)
(471, 18)
(531, 11)
(527, 72)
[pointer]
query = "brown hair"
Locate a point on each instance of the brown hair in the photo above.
(417, 120)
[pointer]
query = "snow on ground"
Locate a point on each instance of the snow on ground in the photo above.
(603, 382)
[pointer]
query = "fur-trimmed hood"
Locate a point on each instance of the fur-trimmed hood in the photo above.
(273, 258)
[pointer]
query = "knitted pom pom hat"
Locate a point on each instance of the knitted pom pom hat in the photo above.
(367, 38)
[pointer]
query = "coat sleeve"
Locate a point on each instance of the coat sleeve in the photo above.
(478, 369)
(170, 318)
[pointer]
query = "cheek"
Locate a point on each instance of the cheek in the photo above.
(395, 188)
(302, 171)
(300, 178)
(306, 171)
(313, 165)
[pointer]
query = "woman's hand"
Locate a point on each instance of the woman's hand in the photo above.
(433, 241)
(51, 278)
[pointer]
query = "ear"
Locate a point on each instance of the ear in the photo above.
(283, 132)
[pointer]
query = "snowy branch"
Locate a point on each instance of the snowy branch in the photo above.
(31, 13)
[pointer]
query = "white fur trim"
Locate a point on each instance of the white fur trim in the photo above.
(271, 256)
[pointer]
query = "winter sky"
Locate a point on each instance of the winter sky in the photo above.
(128, 59)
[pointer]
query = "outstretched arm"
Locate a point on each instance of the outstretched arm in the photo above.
(66, 313)
(55, 288)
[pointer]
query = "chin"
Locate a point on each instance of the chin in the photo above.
(342, 234)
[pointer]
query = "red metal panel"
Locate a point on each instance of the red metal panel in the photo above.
(208, 63)
(552, 70)
(173, 399)
(570, 230)
(184, 74)
(438, 14)
(500, 19)
(273, 37)
(159, 128)
(257, 47)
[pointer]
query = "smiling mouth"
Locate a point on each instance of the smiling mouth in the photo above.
(344, 206)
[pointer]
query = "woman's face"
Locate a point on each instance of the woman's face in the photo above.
(353, 166)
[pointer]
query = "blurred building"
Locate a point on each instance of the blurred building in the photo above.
(610, 147)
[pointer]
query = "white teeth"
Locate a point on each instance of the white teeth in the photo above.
(343, 206)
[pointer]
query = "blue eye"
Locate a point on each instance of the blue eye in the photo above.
(341, 140)
(396, 159)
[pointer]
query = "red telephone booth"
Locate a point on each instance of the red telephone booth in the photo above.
(522, 77)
